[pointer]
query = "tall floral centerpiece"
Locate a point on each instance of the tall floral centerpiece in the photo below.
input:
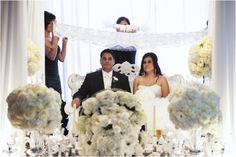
(110, 125)
(34, 58)
(194, 107)
(34, 107)
(200, 58)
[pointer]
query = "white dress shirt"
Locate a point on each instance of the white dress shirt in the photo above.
(107, 78)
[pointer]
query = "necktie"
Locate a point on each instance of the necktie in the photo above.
(107, 81)
(107, 76)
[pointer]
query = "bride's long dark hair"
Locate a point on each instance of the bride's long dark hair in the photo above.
(157, 69)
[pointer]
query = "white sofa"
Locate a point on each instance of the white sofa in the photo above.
(131, 70)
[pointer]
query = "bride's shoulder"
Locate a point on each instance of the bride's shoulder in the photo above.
(162, 78)
(138, 78)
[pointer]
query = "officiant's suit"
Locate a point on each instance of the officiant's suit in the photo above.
(93, 83)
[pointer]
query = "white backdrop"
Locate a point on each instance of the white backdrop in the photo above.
(152, 16)
(13, 68)
(224, 67)
(83, 57)
(20, 21)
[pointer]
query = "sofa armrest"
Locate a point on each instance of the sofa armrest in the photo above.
(74, 82)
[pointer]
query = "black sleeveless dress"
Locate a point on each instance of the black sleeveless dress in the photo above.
(52, 74)
(53, 81)
(123, 54)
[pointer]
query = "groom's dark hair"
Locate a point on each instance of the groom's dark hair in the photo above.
(107, 51)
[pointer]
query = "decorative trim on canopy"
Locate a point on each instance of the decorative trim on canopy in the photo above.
(139, 40)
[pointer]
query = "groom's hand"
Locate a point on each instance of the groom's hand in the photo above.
(76, 101)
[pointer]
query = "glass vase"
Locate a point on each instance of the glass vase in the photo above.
(36, 143)
(195, 142)
(10, 150)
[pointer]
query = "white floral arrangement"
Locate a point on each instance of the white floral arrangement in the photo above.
(110, 125)
(125, 28)
(34, 58)
(200, 58)
(34, 107)
(194, 106)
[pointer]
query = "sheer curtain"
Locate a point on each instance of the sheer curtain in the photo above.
(224, 67)
(152, 16)
(13, 55)
(15, 23)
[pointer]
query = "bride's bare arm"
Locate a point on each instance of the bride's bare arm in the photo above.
(164, 87)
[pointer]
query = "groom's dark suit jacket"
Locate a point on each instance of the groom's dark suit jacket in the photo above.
(94, 82)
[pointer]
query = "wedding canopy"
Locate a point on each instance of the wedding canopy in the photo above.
(140, 40)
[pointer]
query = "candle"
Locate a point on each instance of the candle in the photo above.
(73, 117)
(154, 119)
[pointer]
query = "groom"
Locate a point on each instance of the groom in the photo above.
(105, 78)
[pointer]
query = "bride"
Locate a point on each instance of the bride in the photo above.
(151, 88)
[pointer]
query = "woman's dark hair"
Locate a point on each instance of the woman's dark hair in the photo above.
(122, 18)
(48, 17)
(154, 62)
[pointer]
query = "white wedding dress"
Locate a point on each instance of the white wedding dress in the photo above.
(155, 108)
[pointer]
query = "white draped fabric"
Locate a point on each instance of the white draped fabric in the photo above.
(224, 66)
(139, 40)
(83, 57)
(168, 30)
(13, 56)
(17, 27)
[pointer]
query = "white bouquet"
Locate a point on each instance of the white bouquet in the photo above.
(34, 58)
(194, 106)
(34, 107)
(110, 125)
(200, 58)
(125, 28)
(145, 95)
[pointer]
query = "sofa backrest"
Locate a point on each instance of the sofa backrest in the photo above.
(131, 70)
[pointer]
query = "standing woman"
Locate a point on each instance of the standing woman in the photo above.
(53, 53)
(121, 53)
